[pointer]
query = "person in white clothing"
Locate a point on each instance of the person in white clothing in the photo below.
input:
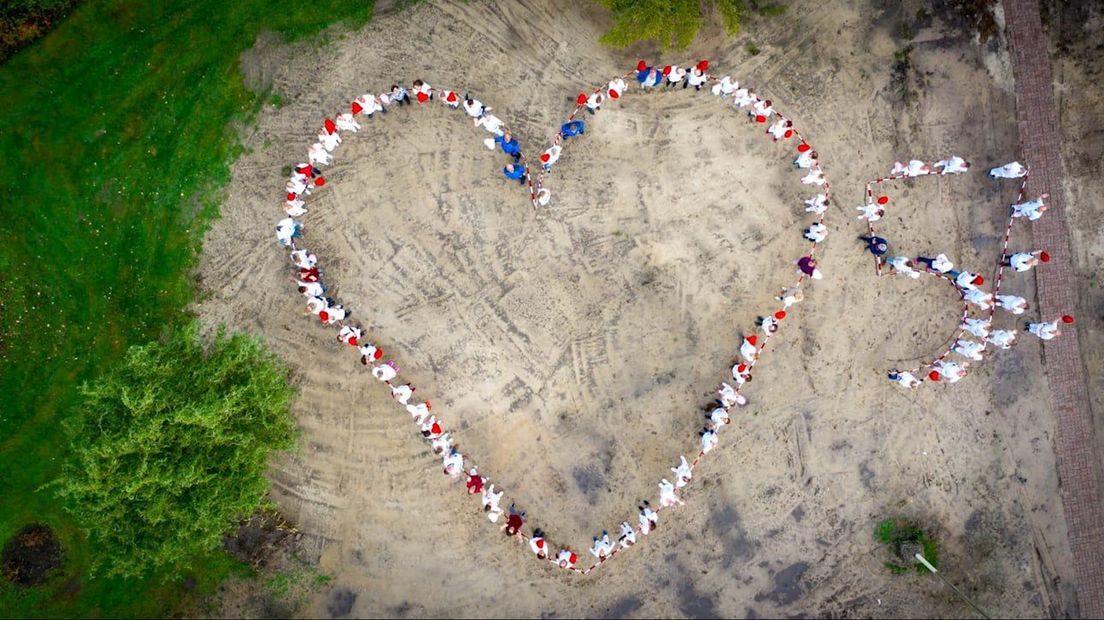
(491, 503)
(368, 104)
(816, 232)
(904, 379)
(763, 108)
(743, 97)
(431, 428)
(615, 88)
(346, 122)
(441, 444)
(940, 263)
(815, 177)
(725, 87)
(317, 154)
(952, 165)
(950, 372)
(978, 327)
(602, 546)
(402, 393)
(979, 298)
(648, 519)
(675, 74)
(667, 496)
(315, 305)
(817, 204)
(967, 280)
(917, 168)
(1002, 338)
(296, 185)
(1024, 261)
(450, 98)
(550, 156)
(294, 207)
(805, 159)
(1044, 330)
(594, 102)
(871, 212)
(683, 473)
(741, 373)
(1032, 209)
(369, 353)
(718, 417)
(349, 335)
(791, 296)
(333, 314)
(628, 536)
(491, 123)
(729, 396)
(780, 129)
(1012, 303)
(329, 141)
(474, 107)
(566, 559)
(385, 372)
(453, 464)
(1013, 170)
(419, 412)
(969, 349)
(901, 265)
(310, 289)
(748, 348)
(696, 78)
(303, 259)
(538, 545)
(708, 440)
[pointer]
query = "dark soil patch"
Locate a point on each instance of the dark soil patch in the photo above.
(256, 540)
(30, 555)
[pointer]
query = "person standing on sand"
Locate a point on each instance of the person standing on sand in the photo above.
(475, 482)
(1024, 261)
(708, 440)
(748, 349)
(602, 546)
(509, 145)
(399, 95)
(566, 559)
(730, 397)
(386, 371)
(904, 378)
(453, 463)
(514, 521)
(515, 172)
(969, 349)
(718, 417)
(807, 265)
(978, 327)
(667, 496)
(1046, 330)
(979, 298)
(648, 519)
(402, 393)
(1032, 209)
(474, 107)
(940, 263)
(876, 245)
(683, 473)
(1013, 170)
(791, 296)
(674, 75)
(816, 232)
(1012, 303)
(1002, 338)
(628, 536)
(370, 352)
(953, 165)
(817, 204)
(490, 504)
(549, 157)
(571, 129)
(538, 544)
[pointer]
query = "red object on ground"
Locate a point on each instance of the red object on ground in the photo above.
(544, 157)
(752, 339)
(801, 148)
(1043, 256)
(422, 97)
(320, 181)
(883, 200)
(613, 94)
(331, 127)
(933, 375)
(581, 99)
(781, 314)
(978, 281)
(357, 109)
(667, 70)
(788, 134)
(759, 118)
(641, 65)
(1067, 319)
(703, 65)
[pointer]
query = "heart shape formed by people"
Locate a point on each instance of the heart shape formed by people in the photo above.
(307, 177)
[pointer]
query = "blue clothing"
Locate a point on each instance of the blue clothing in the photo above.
(510, 147)
(642, 76)
(572, 128)
(517, 174)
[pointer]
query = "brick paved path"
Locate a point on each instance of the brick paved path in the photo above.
(1080, 486)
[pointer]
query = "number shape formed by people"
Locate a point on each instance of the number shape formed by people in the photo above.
(975, 334)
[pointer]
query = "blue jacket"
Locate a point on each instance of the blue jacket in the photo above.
(510, 148)
(517, 174)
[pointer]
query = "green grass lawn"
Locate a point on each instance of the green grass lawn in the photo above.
(117, 130)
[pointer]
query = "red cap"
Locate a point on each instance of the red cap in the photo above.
(325, 316)
(451, 98)
(752, 339)
(781, 314)
(1067, 319)
(667, 70)
(934, 375)
(356, 107)
(641, 65)
(759, 118)
(545, 157)
(291, 196)
(613, 94)
(883, 200)
(422, 97)
(378, 354)
(804, 146)
(978, 281)
(703, 65)
(1043, 256)
(330, 126)
(320, 181)
(353, 341)
(788, 134)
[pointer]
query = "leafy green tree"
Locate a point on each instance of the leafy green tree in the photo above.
(169, 451)
(673, 23)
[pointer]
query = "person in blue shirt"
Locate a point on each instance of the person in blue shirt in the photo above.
(572, 128)
(515, 172)
(876, 245)
(509, 145)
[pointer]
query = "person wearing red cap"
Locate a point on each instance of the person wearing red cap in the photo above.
(748, 348)
(674, 75)
(402, 393)
(952, 165)
(490, 504)
(1047, 330)
(1012, 303)
(370, 353)
(615, 88)
(566, 558)
(550, 157)
(475, 482)
(514, 521)
(538, 545)
(966, 280)
(1024, 261)
(648, 519)
(349, 335)
(741, 373)
(431, 428)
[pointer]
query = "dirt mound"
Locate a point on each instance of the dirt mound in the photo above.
(30, 555)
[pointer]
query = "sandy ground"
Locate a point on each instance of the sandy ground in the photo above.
(575, 347)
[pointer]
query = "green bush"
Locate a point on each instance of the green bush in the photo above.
(672, 23)
(169, 450)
